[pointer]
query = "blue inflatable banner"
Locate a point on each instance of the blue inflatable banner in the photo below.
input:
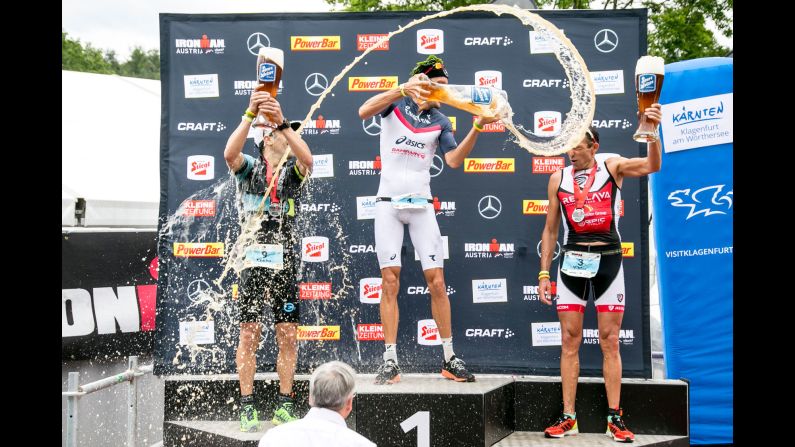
(693, 209)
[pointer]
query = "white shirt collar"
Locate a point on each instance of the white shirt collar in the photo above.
(326, 415)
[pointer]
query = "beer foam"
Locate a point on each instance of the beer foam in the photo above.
(274, 54)
(650, 64)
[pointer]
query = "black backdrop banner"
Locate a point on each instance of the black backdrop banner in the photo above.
(491, 212)
(108, 295)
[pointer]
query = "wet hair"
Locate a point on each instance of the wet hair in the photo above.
(592, 135)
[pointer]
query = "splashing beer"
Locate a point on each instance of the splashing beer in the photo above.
(649, 74)
(270, 63)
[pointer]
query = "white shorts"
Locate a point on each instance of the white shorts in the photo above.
(423, 230)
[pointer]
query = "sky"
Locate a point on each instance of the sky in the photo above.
(120, 25)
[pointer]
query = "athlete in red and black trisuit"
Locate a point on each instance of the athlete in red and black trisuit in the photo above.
(411, 130)
(588, 194)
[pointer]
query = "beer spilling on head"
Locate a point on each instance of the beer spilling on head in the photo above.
(649, 75)
(482, 101)
(270, 63)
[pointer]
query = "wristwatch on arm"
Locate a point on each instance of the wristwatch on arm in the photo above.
(284, 125)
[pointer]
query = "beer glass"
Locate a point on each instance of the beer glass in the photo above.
(270, 63)
(649, 74)
(482, 101)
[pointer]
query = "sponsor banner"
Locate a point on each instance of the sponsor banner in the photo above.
(370, 332)
(548, 165)
(365, 207)
(314, 290)
(315, 43)
(535, 206)
(626, 337)
(196, 332)
(546, 123)
(199, 249)
(314, 249)
(489, 165)
(370, 290)
(322, 165)
(322, 126)
(546, 334)
(365, 41)
(430, 41)
(371, 83)
(609, 82)
(428, 333)
(698, 122)
(496, 126)
(628, 249)
(201, 167)
(317, 333)
(489, 290)
(201, 86)
(198, 208)
(203, 45)
(540, 43)
(488, 78)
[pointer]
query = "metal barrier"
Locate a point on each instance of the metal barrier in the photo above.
(75, 391)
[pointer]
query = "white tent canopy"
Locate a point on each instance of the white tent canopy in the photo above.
(111, 149)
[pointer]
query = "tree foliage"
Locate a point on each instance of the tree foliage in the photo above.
(76, 57)
(677, 28)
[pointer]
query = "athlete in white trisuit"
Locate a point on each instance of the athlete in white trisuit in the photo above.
(411, 131)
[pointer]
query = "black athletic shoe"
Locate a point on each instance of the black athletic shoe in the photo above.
(456, 370)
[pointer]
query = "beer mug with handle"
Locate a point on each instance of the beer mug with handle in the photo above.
(270, 63)
(649, 75)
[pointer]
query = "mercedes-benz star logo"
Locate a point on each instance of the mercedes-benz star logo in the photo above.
(489, 207)
(437, 165)
(315, 84)
(197, 289)
(372, 126)
(557, 250)
(605, 40)
(257, 41)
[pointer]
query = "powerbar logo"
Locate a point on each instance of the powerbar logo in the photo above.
(535, 206)
(246, 88)
(315, 43)
(628, 249)
(318, 332)
(369, 332)
(489, 165)
(371, 83)
(199, 250)
(314, 290)
(548, 165)
(204, 45)
(491, 249)
(198, 208)
(365, 41)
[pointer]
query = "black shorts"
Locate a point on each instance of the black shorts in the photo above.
(607, 287)
(279, 288)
